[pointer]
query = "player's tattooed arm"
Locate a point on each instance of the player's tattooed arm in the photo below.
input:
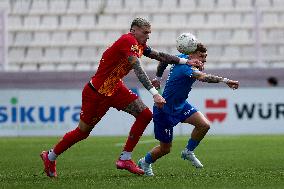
(171, 59)
(215, 79)
(161, 68)
(207, 77)
(163, 57)
(140, 73)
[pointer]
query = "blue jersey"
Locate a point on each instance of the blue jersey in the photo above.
(177, 87)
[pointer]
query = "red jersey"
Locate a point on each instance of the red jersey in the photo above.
(114, 64)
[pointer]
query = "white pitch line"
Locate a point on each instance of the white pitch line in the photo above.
(140, 142)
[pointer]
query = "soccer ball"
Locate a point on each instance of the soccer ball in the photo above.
(186, 43)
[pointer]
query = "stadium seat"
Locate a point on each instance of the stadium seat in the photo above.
(59, 37)
(241, 35)
(206, 36)
(232, 52)
(160, 19)
(65, 66)
(244, 3)
(97, 37)
(278, 3)
(248, 19)
(77, 37)
(188, 4)
(39, 6)
(167, 4)
(87, 21)
(22, 6)
(248, 51)
(70, 53)
(223, 35)
(112, 36)
(41, 38)
(263, 3)
(205, 4)
(52, 54)
(167, 37)
(68, 21)
(269, 18)
(124, 20)
(196, 19)
(14, 67)
(49, 21)
(233, 18)
(15, 21)
(133, 5)
(47, 67)
(215, 19)
(225, 4)
(58, 6)
(215, 51)
(23, 38)
(275, 35)
(88, 53)
(95, 6)
(16, 54)
(29, 67)
(76, 6)
(105, 20)
(32, 21)
(34, 54)
(270, 49)
(114, 5)
(177, 19)
(11, 37)
(83, 67)
(151, 5)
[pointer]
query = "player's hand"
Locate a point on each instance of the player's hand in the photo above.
(196, 63)
(233, 84)
(156, 83)
(159, 100)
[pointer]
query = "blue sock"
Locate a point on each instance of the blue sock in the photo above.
(148, 158)
(192, 144)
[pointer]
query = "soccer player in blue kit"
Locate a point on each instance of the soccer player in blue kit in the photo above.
(177, 109)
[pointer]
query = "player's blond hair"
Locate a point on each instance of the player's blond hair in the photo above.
(140, 22)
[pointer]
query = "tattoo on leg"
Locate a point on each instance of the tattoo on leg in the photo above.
(135, 107)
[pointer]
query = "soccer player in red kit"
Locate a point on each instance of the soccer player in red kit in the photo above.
(106, 89)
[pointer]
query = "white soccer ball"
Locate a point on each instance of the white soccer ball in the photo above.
(186, 43)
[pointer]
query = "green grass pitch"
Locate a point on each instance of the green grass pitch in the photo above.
(229, 162)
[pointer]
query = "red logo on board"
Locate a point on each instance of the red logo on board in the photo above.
(219, 104)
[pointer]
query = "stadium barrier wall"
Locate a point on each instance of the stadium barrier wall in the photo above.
(54, 112)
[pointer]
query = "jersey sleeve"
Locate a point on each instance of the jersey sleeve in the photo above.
(147, 50)
(130, 46)
(190, 70)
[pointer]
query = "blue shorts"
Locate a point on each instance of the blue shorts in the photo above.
(164, 123)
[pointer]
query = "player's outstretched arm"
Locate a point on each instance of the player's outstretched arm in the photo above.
(171, 59)
(144, 79)
(201, 76)
(156, 82)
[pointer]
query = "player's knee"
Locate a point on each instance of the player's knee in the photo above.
(85, 127)
(146, 115)
(205, 127)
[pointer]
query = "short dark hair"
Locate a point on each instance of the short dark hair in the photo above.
(200, 48)
(272, 80)
(140, 22)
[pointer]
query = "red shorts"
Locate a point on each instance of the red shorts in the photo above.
(95, 105)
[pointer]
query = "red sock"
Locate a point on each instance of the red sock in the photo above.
(137, 129)
(69, 139)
